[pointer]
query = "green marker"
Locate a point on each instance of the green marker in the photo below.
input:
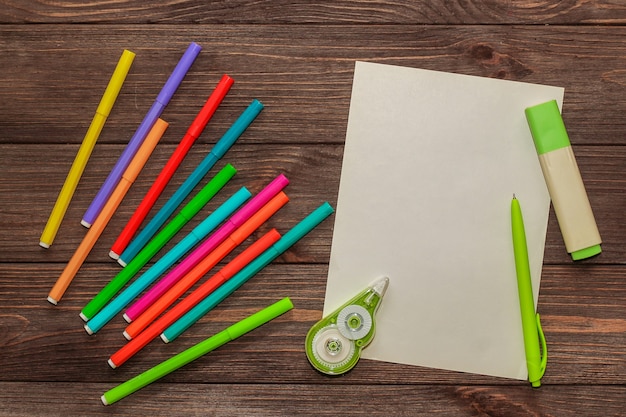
(567, 191)
(142, 258)
(164, 368)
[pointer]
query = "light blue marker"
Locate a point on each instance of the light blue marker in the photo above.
(232, 134)
(196, 235)
(204, 306)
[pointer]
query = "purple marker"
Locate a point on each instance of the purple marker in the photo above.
(206, 247)
(135, 142)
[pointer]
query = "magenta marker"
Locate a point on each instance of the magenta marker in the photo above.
(206, 247)
(135, 142)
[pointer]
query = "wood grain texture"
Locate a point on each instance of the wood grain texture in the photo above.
(583, 343)
(297, 57)
(278, 400)
(314, 172)
(297, 71)
(303, 11)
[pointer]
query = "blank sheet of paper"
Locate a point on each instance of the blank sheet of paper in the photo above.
(430, 166)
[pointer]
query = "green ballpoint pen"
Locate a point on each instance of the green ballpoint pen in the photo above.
(536, 360)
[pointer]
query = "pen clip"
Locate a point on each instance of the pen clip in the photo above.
(544, 348)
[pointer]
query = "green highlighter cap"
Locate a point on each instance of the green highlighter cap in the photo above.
(547, 127)
(586, 253)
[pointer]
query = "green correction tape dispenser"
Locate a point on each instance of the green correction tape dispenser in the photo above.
(334, 344)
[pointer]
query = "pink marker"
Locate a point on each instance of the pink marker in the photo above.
(237, 219)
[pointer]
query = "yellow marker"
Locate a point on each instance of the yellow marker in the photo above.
(131, 173)
(84, 152)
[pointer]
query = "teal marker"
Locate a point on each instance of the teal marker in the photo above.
(164, 368)
(184, 246)
(290, 238)
(191, 209)
(531, 325)
(232, 134)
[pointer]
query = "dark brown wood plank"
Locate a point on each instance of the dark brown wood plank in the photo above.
(303, 74)
(302, 11)
(314, 171)
(315, 400)
(581, 307)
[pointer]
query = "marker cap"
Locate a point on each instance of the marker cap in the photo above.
(115, 85)
(547, 127)
(178, 74)
(586, 253)
(232, 134)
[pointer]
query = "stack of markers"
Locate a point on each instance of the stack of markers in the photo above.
(215, 237)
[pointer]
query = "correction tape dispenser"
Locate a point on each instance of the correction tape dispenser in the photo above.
(334, 344)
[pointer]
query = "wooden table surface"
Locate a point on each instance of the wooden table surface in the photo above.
(297, 57)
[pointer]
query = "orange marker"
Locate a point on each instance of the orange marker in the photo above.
(112, 204)
(205, 265)
(155, 329)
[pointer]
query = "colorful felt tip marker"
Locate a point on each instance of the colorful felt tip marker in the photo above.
(193, 133)
(88, 242)
(84, 152)
(141, 337)
(182, 247)
(185, 215)
(137, 139)
(206, 305)
(236, 330)
(220, 148)
(209, 245)
(149, 308)
(531, 325)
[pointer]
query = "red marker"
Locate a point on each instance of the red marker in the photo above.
(194, 131)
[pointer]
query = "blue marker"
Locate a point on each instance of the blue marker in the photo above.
(220, 148)
(206, 305)
(198, 233)
(164, 97)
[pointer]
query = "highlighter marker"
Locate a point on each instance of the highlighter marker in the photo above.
(171, 85)
(182, 247)
(565, 185)
(185, 215)
(86, 147)
(206, 247)
(290, 238)
(159, 371)
(140, 336)
(232, 134)
(193, 133)
(88, 242)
